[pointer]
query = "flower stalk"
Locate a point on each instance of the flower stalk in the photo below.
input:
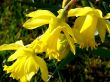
(69, 5)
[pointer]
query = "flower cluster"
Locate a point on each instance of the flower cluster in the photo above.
(57, 40)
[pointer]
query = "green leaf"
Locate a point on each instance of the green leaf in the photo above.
(70, 57)
(102, 52)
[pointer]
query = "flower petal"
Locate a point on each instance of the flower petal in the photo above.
(84, 11)
(79, 11)
(107, 16)
(69, 30)
(35, 22)
(70, 41)
(89, 23)
(54, 22)
(23, 79)
(76, 28)
(101, 26)
(97, 13)
(21, 52)
(31, 67)
(12, 46)
(16, 69)
(43, 68)
(108, 25)
(87, 32)
(40, 14)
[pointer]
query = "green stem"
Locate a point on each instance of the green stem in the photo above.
(67, 8)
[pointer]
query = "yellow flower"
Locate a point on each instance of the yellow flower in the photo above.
(48, 41)
(26, 63)
(38, 18)
(51, 44)
(88, 21)
(62, 47)
(12, 46)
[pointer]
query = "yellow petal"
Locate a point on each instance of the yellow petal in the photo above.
(52, 43)
(16, 69)
(54, 22)
(43, 68)
(76, 28)
(12, 46)
(53, 37)
(97, 13)
(25, 66)
(101, 26)
(23, 79)
(35, 22)
(31, 67)
(40, 14)
(88, 26)
(62, 47)
(69, 30)
(84, 11)
(89, 23)
(79, 11)
(34, 43)
(107, 16)
(108, 25)
(70, 41)
(87, 32)
(21, 52)
(49, 43)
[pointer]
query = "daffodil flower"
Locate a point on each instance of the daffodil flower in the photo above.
(38, 18)
(51, 45)
(26, 63)
(62, 47)
(48, 41)
(88, 21)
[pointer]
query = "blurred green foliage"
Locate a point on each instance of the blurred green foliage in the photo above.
(85, 66)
